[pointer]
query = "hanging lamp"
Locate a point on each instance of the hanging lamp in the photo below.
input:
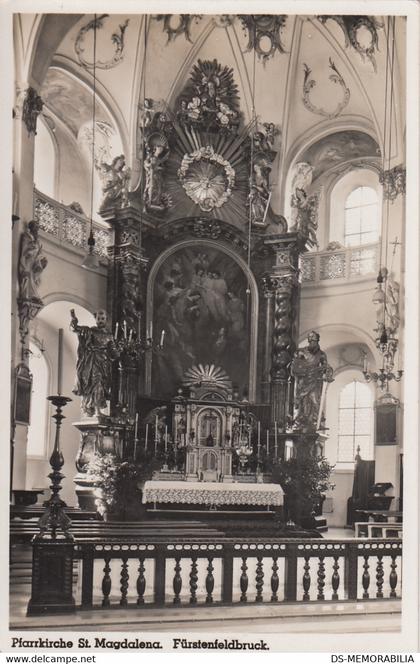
(91, 261)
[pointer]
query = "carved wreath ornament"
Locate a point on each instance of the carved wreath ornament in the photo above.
(336, 78)
(207, 178)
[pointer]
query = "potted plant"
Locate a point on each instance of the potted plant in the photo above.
(119, 484)
(304, 480)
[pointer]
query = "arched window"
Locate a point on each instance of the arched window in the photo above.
(355, 421)
(361, 217)
(38, 429)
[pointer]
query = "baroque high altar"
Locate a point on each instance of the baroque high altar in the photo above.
(195, 364)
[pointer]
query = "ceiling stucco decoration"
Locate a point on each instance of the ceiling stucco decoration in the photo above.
(69, 100)
(177, 24)
(309, 84)
(353, 27)
(337, 148)
(116, 39)
(264, 33)
(393, 182)
(208, 179)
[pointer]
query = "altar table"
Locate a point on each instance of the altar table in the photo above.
(212, 493)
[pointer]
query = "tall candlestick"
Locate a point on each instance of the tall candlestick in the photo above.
(166, 438)
(259, 433)
(147, 436)
(60, 362)
(268, 442)
(136, 425)
(275, 440)
(116, 331)
(156, 442)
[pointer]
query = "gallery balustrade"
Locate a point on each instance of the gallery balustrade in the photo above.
(340, 265)
(68, 225)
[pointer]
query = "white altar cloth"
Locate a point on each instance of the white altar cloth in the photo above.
(212, 493)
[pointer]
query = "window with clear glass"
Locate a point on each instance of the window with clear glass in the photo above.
(355, 422)
(361, 217)
(37, 431)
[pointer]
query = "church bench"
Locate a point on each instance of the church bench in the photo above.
(377, 529)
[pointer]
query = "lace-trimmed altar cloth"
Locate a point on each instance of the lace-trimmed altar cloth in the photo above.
(209, 493)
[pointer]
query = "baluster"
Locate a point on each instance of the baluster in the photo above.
(366, 578)
(243, 582)
(274, 580)
(141, 583)
(209, 581)
(177, 582)
(379, 576)
(124, 581)
(393, 578)
(306, 581)
(321, 578)
(193, 580)
(106, 583)
(335, 579)
(259, 579)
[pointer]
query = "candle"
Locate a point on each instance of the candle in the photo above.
(268, 442)
(135, 449)
(60, 361)
(156, 427)
(130, 336)
(136, 426)
(149, 334)
(275, 440)
(166, 438)
(162, 337)
(147, 435)
(259, 434)
(125, 329)
(156, 442)
(116, 331)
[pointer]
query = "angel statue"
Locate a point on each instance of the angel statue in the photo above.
(32, 262)
(115, 181)
(304, 215)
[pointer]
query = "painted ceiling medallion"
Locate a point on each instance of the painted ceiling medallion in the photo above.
(117, 39)
(336, 78)
(207, 178)
(350, 26)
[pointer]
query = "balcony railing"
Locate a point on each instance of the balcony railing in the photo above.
(339, 265)
(68, 226)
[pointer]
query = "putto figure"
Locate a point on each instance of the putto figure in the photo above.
(95, 355)
(312, 372)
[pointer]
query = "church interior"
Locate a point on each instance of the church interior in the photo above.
(208, 274)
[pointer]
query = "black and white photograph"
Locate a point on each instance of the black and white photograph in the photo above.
(210, 377)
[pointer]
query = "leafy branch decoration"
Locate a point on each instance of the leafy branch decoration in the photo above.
(309, 83)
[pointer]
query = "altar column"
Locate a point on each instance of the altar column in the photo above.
(283, 283)
(125, 302)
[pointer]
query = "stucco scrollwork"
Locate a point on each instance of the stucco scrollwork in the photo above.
(117, 40)
(309, 83)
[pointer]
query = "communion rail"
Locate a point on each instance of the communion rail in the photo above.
(155, 574)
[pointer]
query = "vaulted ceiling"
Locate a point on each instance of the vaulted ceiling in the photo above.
(311, 76)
